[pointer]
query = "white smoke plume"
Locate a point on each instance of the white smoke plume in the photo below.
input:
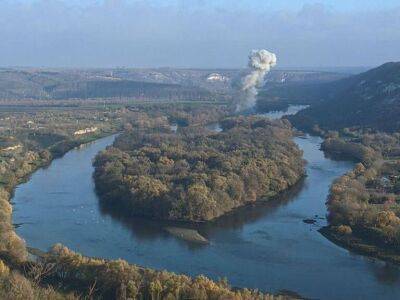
(260, 62)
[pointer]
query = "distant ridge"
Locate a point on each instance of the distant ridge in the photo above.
(158, 83)
(369, 100)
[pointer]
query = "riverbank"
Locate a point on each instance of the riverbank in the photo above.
(143, 282)
(57, 151)
(37, 147)
(41, 137)
(12, 247)
(364, 204)
(359, 245)
(198, 287)
(266, 245)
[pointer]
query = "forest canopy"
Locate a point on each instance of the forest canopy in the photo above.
(196, 174)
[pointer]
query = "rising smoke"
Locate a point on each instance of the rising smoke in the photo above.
(260, 62)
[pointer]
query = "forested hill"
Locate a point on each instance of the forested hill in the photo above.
(369, 100)
(84, 84)
(155, 83)
(127, 88)
(197, 175)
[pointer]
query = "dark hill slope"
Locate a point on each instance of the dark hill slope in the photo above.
(369, 100)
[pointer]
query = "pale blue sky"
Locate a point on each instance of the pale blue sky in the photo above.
(343, 5)
(349, 5)
(275, 4)
(198, 33)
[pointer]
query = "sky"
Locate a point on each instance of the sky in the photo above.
(198, 33)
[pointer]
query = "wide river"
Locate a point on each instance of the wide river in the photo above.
(266, 246)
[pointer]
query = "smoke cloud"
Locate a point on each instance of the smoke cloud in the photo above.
(260, 63)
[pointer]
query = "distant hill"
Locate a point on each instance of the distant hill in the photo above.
(297, 87)
(370, 100)
(155, 83)
(126, 88)
(83, 84)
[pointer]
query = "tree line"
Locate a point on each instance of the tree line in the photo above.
(365, 203)
(195, 174)
(62, 273)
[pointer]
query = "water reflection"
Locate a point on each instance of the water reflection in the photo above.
(146, 229)
(265, 246)
(251, 213)
(386, 273)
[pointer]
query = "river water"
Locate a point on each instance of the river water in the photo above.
(266, 246)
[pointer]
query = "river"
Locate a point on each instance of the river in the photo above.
(266, 246)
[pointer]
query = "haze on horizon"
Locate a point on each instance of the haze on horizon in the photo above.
(197, 33)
